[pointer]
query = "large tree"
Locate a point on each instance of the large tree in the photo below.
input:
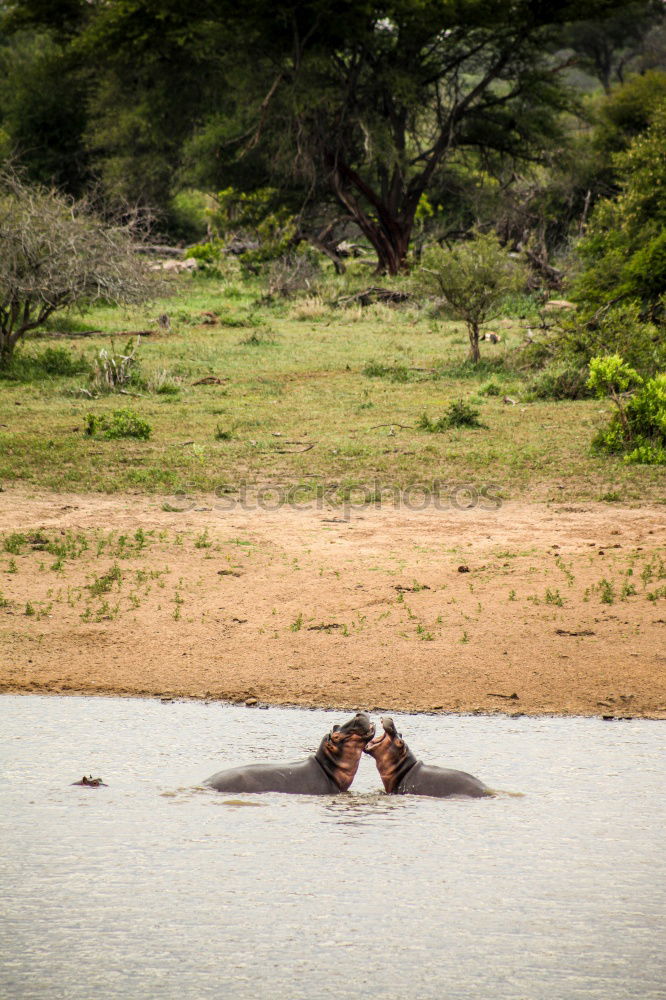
(44, 84)
(610, 47)
(365, 101)
(128, 80)
(374, 99)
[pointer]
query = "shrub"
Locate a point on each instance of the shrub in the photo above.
(115, 369)
(188, 214)
(638, 427)
(117, 424)
(475, 278)
(627, 112)
(558, 382)
(624, 250)
(51, 362)
(56, 254)
(612, 376)
(208, 253)
(298, 270)
(619, 330)
(254, 224)
(458, 414)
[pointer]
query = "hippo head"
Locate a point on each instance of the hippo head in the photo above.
(392, 755)
(340, 750)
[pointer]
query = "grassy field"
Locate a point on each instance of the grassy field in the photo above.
(308, 394)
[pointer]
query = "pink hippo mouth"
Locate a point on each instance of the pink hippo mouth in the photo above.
(373, 743)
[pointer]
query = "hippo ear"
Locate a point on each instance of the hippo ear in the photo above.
(335, 728)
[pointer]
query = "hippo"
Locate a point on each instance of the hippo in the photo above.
(329, 771)
(91, 782)
(403, 774)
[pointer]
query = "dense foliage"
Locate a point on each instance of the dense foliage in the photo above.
(486, 147)
(637, 429)
(624, 249)
(124, 423)
(358, 115)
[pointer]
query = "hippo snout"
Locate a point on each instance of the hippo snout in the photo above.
(359, 725)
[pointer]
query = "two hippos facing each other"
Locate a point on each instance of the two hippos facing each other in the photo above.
(333, 767)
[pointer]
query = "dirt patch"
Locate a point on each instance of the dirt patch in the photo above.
(525, 609)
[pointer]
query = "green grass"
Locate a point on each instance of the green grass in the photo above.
(301, 403)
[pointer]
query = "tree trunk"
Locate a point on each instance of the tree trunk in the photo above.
(474, 352)
(392, 251)
(14, 326)
(7, 345)
(318, 244)
(389, 231)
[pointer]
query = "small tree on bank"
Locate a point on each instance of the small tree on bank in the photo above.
(55, 254)
(473, 277)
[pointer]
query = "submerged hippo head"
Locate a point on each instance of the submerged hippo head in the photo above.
(90, 782)
(392, 755)
(340, 750)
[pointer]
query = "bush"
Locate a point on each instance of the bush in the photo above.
(638, 427)
(51, 362)
(209, 256)
(255, 224)
(298, 270)
(624, 250)
(475, 278)
(559, 382)
(117, 424)
(619, 330)
(115, 369)
(188, 213)
(458, 414)
(56, 254)
(611, 375)
(627, 112)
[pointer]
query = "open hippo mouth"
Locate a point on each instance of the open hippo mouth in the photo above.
(388, 732)
(372, 744)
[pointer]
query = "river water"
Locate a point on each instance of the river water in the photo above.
(156, 888)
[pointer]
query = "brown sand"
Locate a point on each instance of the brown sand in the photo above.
(370, 612)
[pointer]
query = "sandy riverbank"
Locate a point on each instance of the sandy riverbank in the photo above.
(528, 608)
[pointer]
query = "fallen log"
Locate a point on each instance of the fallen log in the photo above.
(371, 295)
(163, 251)
(99, 333)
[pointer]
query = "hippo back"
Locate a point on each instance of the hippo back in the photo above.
(427, 779)
(300, 777)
